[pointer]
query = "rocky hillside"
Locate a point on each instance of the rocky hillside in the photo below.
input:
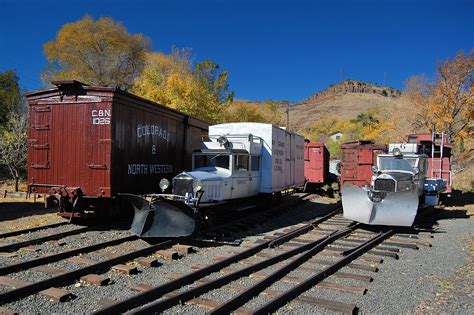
(345, 100)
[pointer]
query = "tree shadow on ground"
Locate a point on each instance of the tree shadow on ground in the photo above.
(458, 199)
(14, 210)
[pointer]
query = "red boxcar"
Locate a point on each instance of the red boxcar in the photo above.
(87, 144)
(357, 159)
(439, 155)
(316, 163)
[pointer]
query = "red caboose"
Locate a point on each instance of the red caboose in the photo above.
(357, 159)
(439, 153)
(316, 163)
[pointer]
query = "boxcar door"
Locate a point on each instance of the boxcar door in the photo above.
(98, 144)
(316, 164)
(349, 165)
(39, 143)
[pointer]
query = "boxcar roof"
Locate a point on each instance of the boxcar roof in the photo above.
(72, 86)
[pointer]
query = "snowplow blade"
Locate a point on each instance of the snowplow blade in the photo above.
(397, 208)
(160, 218)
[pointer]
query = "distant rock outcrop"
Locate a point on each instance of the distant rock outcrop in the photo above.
(353, 86)
(344, 100)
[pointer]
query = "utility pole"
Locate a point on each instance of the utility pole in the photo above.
(385, 78)
(288, 117)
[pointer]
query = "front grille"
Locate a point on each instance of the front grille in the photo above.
(181, 186)
(383, 184)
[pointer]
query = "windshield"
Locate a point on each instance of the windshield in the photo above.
(213, 160)
(391, 163)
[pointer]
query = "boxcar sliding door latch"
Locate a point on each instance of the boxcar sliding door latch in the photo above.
(97, 166)
(40, 165)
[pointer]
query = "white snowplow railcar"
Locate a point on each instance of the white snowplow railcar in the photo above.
(239, 162)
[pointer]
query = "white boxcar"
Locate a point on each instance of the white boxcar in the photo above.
(282, 153)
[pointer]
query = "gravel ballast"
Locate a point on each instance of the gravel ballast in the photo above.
(399, 286)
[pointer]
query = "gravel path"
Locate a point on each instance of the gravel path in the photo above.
(403, 284)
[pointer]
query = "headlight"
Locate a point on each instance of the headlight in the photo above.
(164, 184)
(197, 185)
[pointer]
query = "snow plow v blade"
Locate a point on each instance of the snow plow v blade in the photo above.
(160, 217)
(374, 208)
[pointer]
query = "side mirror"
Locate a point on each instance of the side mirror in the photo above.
(416, 170)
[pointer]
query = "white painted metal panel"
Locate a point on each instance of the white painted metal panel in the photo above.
(403, 147)
(282, 153)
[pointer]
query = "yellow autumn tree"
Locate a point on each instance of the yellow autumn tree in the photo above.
(447, 103)
(171, 80)
(264, 112)
(452, 103)
(100, 52)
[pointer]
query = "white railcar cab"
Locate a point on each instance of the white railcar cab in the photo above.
(241, 160)
(235, 160)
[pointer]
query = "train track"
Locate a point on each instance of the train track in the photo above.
(347, 239)
(33, 229)
(303, 253)
(23, 289)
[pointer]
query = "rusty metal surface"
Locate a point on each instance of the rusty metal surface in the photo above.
(357, 159)
(105, 141)
(316, 162)
(438, 167)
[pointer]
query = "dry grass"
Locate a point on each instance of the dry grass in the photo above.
(9, 185)
(343, 106)
(464, 180)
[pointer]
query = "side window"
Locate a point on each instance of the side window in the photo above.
(241, 163)
(255, 163)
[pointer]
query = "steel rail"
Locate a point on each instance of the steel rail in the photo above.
(310, 249)
(9, 247)
(63, 255)
(24, 291)
(34, 229)
(289, 295)
(20, 292)
(189, 278)
(222, 226)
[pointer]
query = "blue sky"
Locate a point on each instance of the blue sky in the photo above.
(279, 50)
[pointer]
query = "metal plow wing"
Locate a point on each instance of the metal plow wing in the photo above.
(160, 218)
(397, 208)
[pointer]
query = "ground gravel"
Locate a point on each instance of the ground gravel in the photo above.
(399, 286)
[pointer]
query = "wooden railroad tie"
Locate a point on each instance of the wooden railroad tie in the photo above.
(50, 270)
(147, 262)
(168, 254)
(12, 283)
(57, 295)
(94, 279)
(184, 249)
(125, 269)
